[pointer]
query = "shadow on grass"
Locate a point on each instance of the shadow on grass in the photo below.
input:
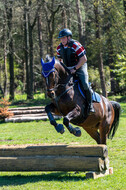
(122, 99)
(123, 116)
(21, 179)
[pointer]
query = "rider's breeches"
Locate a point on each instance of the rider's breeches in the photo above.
(83, 76)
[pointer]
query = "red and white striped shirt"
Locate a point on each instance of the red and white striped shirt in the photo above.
(78, 49)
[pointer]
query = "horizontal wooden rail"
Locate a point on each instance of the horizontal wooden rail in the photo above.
(58, 150)
(54, 158)
(26, 114)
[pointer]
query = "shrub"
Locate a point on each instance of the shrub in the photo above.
(4, 113)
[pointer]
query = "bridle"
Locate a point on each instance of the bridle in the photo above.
(55, 83)
(67, 86)
(70, 84)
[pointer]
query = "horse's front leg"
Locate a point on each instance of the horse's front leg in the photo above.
(51, 108)
(71, 116)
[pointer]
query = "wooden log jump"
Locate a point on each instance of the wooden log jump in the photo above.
(26, 114)
(56, 158)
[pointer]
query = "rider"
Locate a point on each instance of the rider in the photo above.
(74, 56)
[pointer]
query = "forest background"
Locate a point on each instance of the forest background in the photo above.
(29, 31)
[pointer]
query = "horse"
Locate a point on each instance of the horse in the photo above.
(68, 102)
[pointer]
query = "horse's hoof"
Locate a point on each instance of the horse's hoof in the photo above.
(60, 128)
(78, 132)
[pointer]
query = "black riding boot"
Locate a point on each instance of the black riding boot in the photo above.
(88, 95)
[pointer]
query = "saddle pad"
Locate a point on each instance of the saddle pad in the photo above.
(95, 96)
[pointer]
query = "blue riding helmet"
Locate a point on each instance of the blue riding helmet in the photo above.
(65, 32)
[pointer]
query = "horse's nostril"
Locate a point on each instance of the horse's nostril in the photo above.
(52, 94)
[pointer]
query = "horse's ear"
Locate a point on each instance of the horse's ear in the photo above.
(42, 62)
(53, 61)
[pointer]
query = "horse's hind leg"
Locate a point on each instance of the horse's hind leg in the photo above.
(105, 125)
(93, 133)
(104, 129)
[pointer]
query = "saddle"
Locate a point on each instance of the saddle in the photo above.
(95, 96)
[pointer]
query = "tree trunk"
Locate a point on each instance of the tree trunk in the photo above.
(29, 46)
(5, 54)
(84, 23)
(31, 27)
(41, 46)
(64, 17)
(51, 52)
(99, 53)
(11, 69)
(31, 61)
(11, 51)
(50, 17)
(40, 35)
(80, 25)
(1, 92)
(107, 21)
(26, 49)
(69, 16)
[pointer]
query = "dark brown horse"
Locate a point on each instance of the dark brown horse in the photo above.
(68, 102)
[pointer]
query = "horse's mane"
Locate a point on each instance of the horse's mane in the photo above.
(49, 59)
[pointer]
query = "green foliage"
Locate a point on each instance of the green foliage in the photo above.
(94, 78)
(121, 66)
(21, 100)
(120, 70)
(20, 87)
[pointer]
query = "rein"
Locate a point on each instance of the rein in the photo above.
(58, 97)
(65, 67)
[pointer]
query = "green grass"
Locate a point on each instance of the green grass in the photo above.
(21, 100)
(42, 132)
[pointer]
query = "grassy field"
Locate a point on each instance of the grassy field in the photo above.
(42, 132)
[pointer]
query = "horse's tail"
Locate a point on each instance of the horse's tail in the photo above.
(114, 127)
